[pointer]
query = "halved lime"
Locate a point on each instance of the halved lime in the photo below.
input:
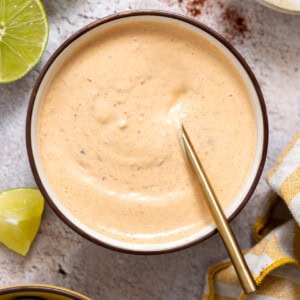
(24, 32)
(20, 217)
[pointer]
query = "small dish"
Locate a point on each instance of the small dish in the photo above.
(285, 6)
(39, 292)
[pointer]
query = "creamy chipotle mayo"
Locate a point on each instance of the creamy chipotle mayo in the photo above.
(108, 143)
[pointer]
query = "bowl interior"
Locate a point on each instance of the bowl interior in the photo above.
(66, 51)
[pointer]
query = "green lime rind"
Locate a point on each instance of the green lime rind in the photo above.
(24, 32)
(21, 212)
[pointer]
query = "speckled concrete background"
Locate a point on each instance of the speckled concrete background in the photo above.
(269, 41)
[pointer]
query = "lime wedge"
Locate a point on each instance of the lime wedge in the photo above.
(20, 217)
(24, 32)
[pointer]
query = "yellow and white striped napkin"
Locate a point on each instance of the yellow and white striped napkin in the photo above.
(275, 260)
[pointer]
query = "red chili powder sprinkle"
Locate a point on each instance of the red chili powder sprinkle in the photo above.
(194, 7)
(235, 24)
(233, 21)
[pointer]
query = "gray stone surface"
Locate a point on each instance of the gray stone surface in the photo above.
(269, 41)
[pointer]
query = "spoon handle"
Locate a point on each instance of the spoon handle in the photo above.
(246, 279)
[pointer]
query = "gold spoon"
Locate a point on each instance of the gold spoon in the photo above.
(246, 279)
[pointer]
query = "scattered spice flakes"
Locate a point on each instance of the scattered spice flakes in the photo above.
(234, 23)
(232, 19)
(195, 7)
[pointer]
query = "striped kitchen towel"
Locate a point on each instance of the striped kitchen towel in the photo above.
(275, 260)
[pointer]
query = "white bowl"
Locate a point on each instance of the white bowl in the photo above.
(76, 41)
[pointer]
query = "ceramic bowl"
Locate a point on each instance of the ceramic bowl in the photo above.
(285, 6)
(39, 292)
(66, 49)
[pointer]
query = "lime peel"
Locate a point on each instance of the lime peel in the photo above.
(21, 211)
(24, 32)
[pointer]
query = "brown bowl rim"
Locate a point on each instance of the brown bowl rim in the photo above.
(127, 14)
(61, 291)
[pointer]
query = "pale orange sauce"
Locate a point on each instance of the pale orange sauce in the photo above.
(110, 149)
